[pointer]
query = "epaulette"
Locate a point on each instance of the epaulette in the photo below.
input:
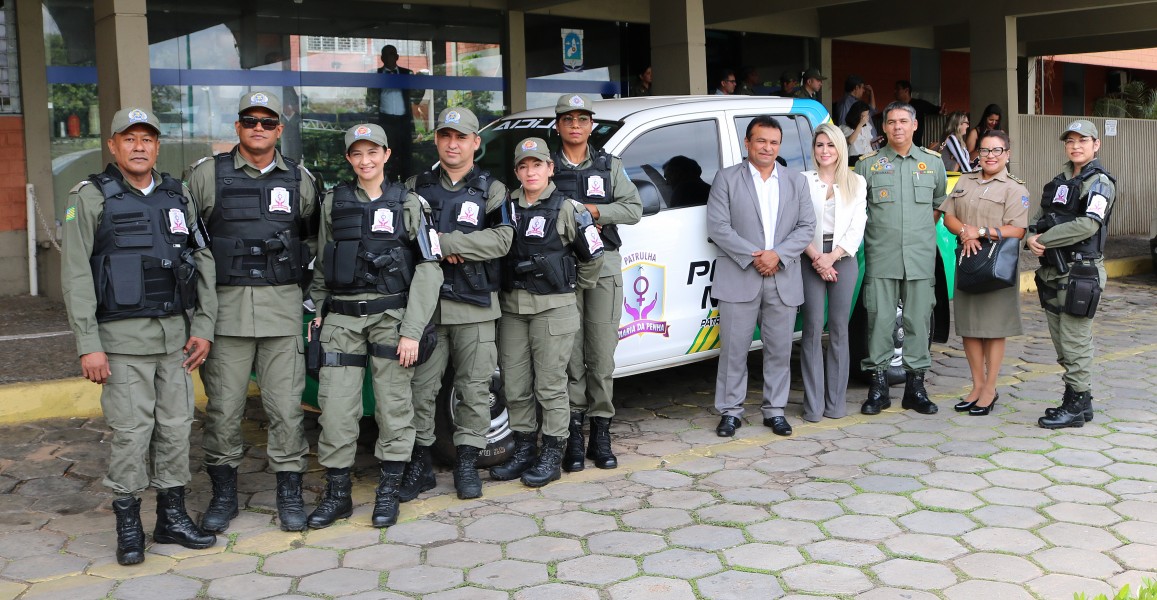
(869, 154)
(423, 202)
(1016, 179)
(577, 205)
(76, 188)
(198, 163)
(932, 152)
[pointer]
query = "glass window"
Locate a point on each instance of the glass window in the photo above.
(680, 159)
(497, 152)
(794, 150)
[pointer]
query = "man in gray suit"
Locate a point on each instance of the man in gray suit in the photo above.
(760, 216)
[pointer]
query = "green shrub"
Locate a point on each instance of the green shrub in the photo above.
(1147, 591)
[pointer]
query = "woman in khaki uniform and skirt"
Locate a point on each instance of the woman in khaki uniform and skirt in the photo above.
(989, 203)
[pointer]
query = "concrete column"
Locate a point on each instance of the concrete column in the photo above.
(994, 80)
(37, 139)
(514, 61)
(678, 47)
(122, 59)
(827, 93)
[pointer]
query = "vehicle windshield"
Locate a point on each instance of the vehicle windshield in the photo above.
(499, 140)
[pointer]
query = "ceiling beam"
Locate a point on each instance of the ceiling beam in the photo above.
(728, 11)
(1025, 8)
(1092, 23)
(536, 5)
(877, 16)
(1081, 45)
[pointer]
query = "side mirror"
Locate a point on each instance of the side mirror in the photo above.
(649, 194)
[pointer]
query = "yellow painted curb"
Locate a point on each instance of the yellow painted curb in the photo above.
(61, 399)
(1114, 267)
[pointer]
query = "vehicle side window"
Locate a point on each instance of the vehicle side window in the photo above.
(793, 151)
(680, 159)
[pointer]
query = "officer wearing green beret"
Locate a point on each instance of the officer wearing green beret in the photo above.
(1071, 226)
(906, 184)
(375, 283)
(600, 182)
(469, 211)
(134, 268)
(260, 211)
(556, 251)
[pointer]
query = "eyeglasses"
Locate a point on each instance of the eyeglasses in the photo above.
(991, 151)
(729, 81)
(267, 123)
(571, 120)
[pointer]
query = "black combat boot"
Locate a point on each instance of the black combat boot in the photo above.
(548, 467)
(130, 532)
(173, 523)
(915, 396)
(336, 503)
(878, 398)
(1088, 407)
(1070, 414)
(573, 461)
(466, 479)
(223, 505)
(290, 507)
(525, 449)
(599, 449)
(419, 474)
(386, 502)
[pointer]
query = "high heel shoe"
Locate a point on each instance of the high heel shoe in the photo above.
(964, 406)
(980, 411)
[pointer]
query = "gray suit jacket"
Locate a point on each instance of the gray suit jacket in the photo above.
(735, 225)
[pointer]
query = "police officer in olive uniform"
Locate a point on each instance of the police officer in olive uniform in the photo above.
(556, 251)
(1069, 235)
(138, 285)
(469, 211)
(906, 184)
(599, 181)
(258, 206)
(375, 283)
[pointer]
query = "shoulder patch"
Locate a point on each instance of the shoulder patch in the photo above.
(76, 188)
(70, 214)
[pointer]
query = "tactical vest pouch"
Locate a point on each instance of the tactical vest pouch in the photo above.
(342, 262)
(1083, 292)
(474, 274)
(426, 345)
(240, 207)
(611, 238)
(127, 278)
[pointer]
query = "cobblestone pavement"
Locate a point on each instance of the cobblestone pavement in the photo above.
(896, 506)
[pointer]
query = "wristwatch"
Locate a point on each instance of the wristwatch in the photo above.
(982, 232)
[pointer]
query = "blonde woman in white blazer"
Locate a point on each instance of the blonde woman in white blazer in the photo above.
(829, 277)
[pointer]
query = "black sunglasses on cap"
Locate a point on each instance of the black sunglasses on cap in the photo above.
(267, 123)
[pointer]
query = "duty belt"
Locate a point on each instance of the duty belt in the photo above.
(365, 308)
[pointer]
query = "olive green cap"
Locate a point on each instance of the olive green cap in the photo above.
(1083, 127)
(127, 117)
(458, 119)
(531, 147)
(569, 102)
(260, 99)
(813, 73)
(365, 131)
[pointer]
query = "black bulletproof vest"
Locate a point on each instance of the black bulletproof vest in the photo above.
(464, 210)
(142, 264)
(1062, 198)
(539, 262)
(370, 250)
(255, 226)
(579, 184)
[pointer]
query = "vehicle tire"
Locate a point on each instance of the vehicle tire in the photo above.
(858, 345)
(499, 438)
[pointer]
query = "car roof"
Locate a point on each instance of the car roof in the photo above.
(621, 109)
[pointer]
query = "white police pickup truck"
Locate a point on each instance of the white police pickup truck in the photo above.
(672, 148)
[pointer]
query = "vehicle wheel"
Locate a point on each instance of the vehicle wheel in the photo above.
(499, 438)
(858, 346)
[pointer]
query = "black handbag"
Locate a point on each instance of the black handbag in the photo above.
(993, 267)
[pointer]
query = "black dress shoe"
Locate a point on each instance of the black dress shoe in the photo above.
(980, 411)
(727, 426)
(778, 425)
(963, 406)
